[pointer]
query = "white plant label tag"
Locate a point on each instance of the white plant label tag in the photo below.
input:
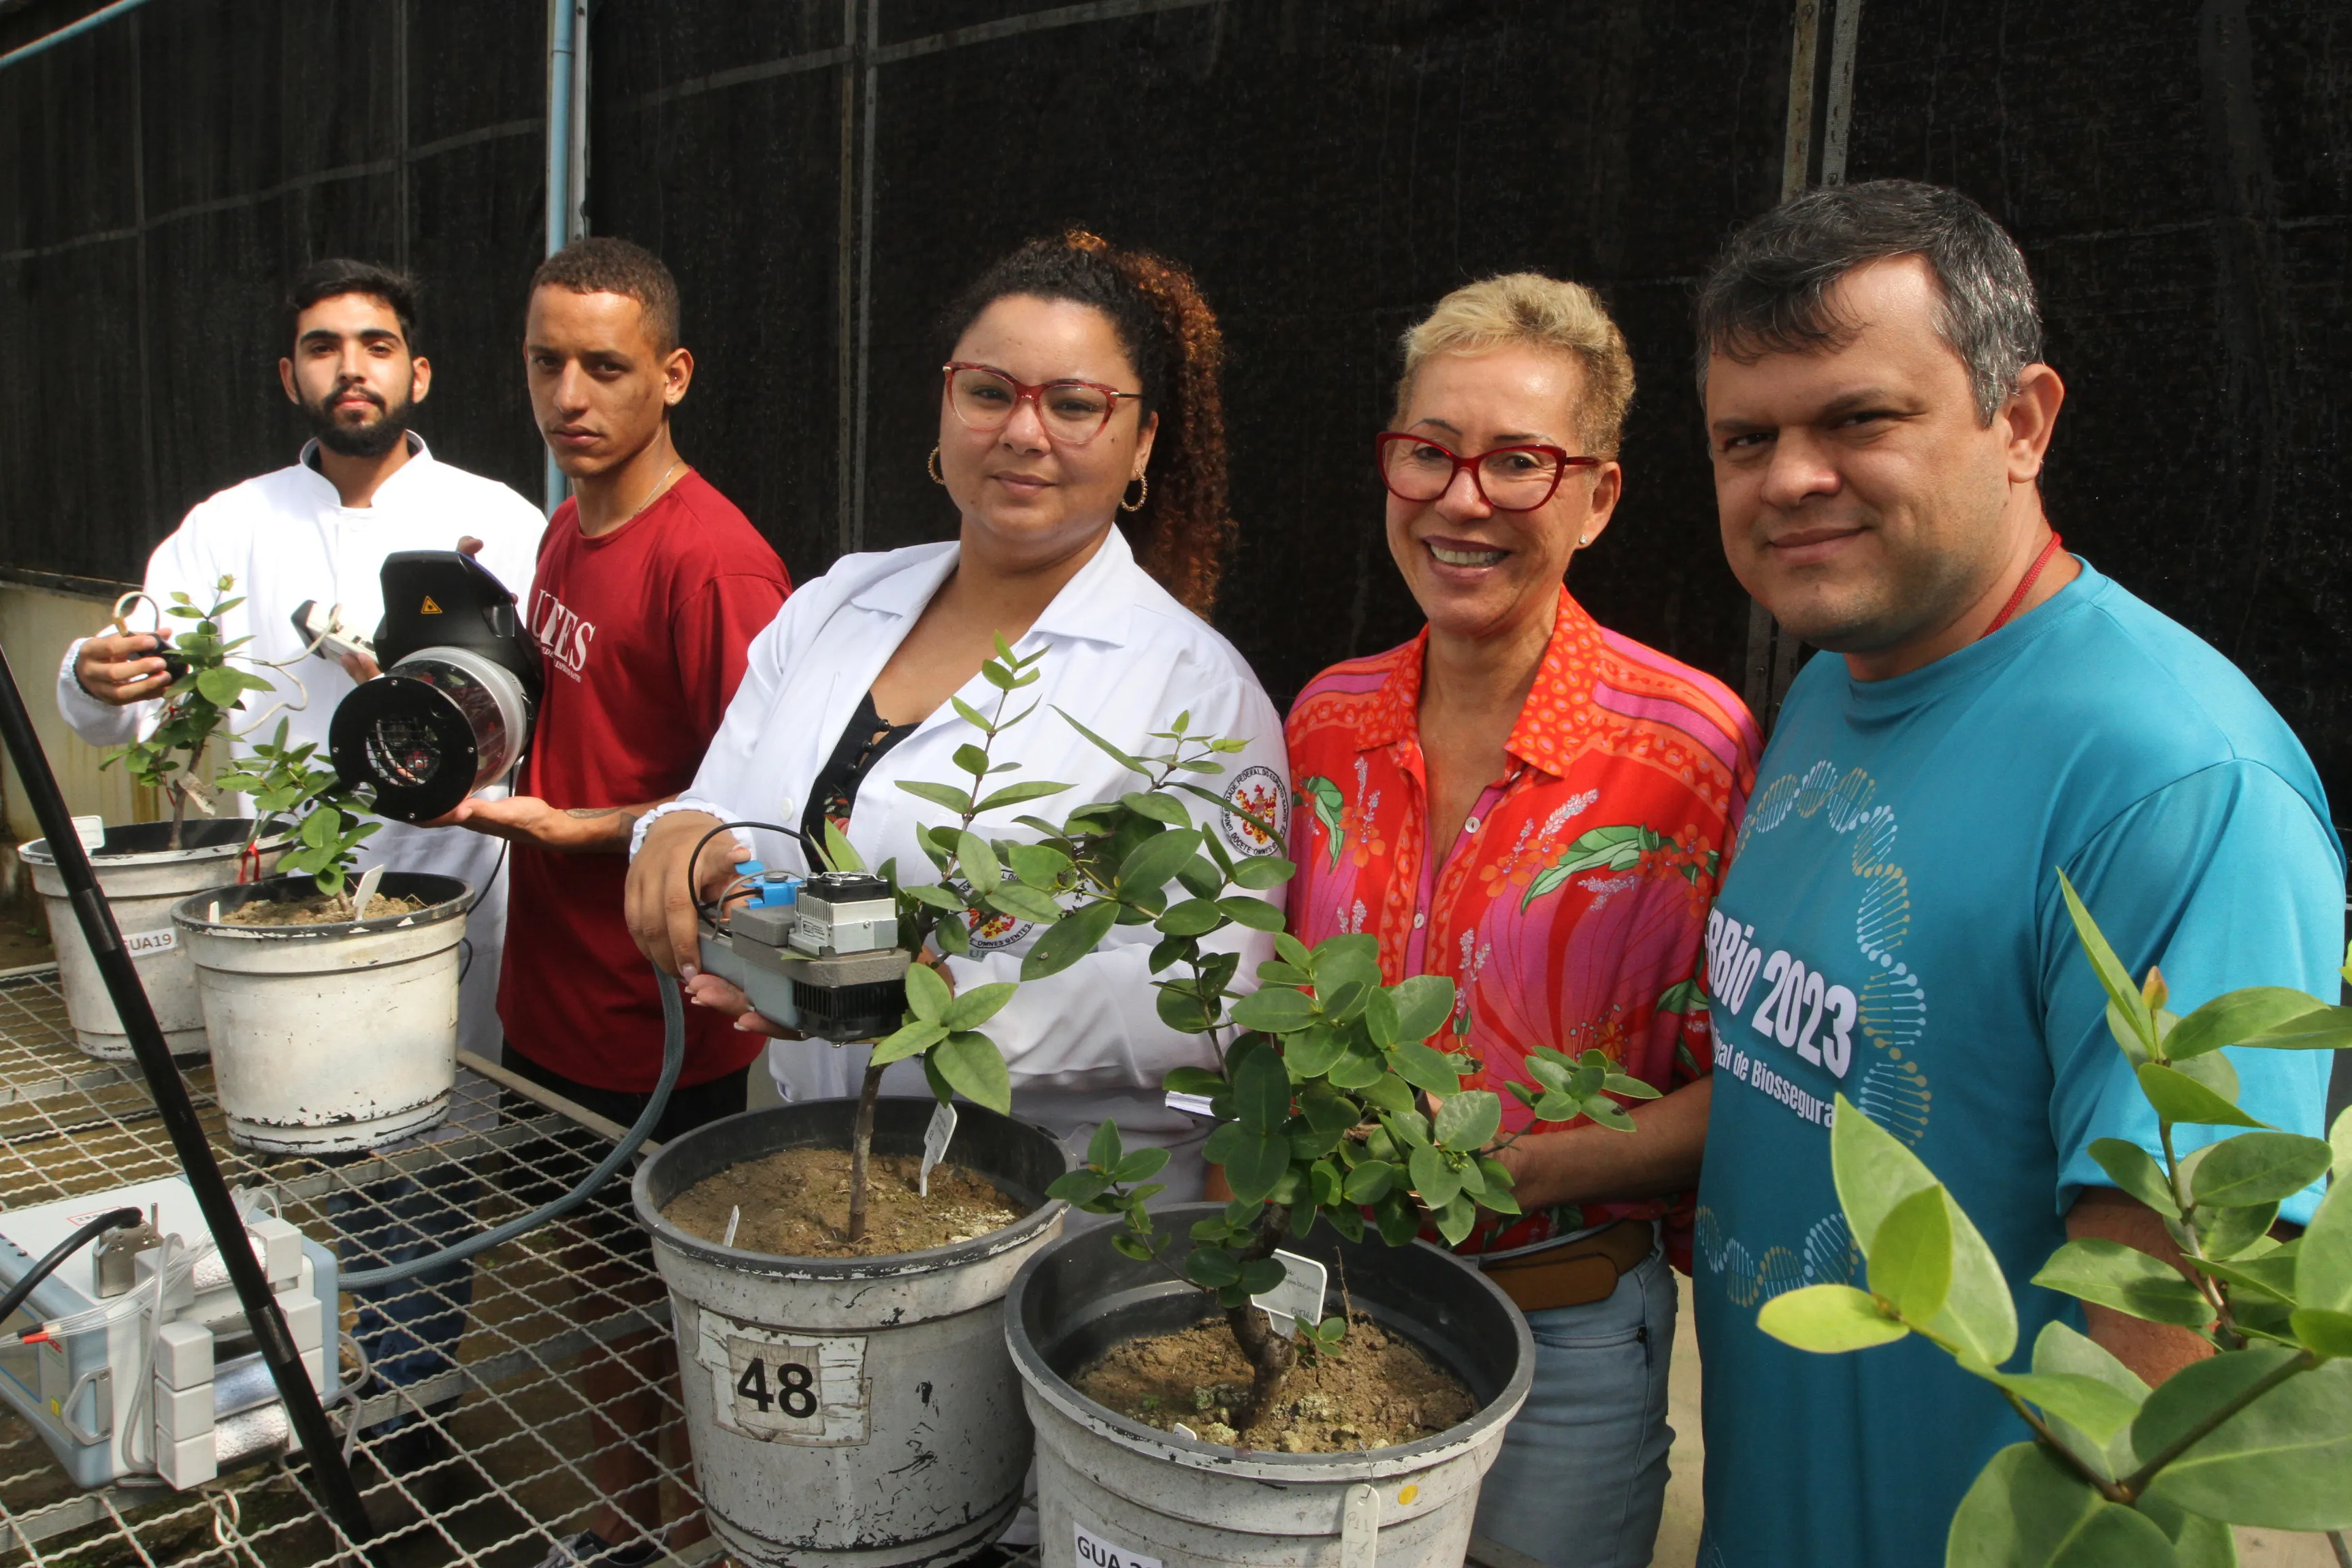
(91, 831)
(1094, 1552)
(1300, 1294)
(936, 1138)
(808, 1389)
(139, 943)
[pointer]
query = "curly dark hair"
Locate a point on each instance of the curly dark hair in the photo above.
(1171, 336)
(602, 264)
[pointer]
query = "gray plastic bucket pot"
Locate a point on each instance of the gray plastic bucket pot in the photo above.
(1113, 1492)
(331, 1038)
(856, 1411)
(142, 880)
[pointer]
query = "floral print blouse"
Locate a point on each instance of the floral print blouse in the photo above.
(1570, 911)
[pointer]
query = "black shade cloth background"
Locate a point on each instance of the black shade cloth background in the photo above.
(823, 177)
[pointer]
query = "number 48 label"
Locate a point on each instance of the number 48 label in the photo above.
(781, 1387)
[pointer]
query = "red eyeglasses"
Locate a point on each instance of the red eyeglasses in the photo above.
(1509, 478)
(1072, 412)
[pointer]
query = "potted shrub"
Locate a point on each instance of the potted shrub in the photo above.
(2258, 1434)
(146, 867)
(1336, 1116)
(331, 1009)
(848, 1394)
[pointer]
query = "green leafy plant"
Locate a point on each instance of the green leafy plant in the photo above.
(1106, 864)
(195, 705)
(2258, 1434)
(334, 819)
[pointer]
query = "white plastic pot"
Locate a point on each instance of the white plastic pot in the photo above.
(329, 1038)
(858, 1411)
(142, 880)
(1114, 1492)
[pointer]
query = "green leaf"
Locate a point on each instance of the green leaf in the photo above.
(2228, 1020)
(1468, 1122)
(1275, 1010)
(1151, 864)
(1037, 866)
(1069, 940)
(955, 800)
(1389, 1092)
(2180, 1098)
(2028, 1509)
(2329, 1333)
(1262, 1093)
(1259, 872)
(1425, 1068)
(976, 1007)
(1312, 1052)
(1432, 1177)
(2136, 1172)
(2113, 976)
(1255, 913)
(1157, 807)
(2322, 1264)
(2259, 1168)
(1911, 1255)
(2284, 1462)
(1022, 902)
(1423, 1003)
(1180, 1010)
(1371, 1180)
(1828, 1319)
(2322, 1029)
(2060, 1351)
(1456, 1219)
(1263, 1273)
(910, 1040)
(971, 1063)
(927, 995)
(1015, 794)
(976, 861)
(1103, 1148)
(1189, 917)
(1195, 1080)
(1873, 1171)
(1113, 753)
(840, 851)
(2227, 1230)
(1255, 1162)
(2129, 1280)
(1213, 1266)
(2094, 1407)
(1140, 1165)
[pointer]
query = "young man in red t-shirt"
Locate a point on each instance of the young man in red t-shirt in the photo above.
(651, 586)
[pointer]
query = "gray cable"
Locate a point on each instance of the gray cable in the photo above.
(673, 1061)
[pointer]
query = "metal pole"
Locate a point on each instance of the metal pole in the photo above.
(319, 1444)
(562, 38)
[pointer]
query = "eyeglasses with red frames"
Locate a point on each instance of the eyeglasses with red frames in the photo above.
(1509, 478)
(1072, 412)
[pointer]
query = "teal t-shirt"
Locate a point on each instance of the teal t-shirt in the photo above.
(1892, 929)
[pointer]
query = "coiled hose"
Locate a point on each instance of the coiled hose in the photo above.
(673, 1062)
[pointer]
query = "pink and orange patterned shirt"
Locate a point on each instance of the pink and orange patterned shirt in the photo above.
(1570, 911)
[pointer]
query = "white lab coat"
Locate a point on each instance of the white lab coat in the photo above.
(287, 537)
(1123, 658)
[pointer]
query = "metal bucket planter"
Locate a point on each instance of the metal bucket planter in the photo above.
(858, 1411)
(142, 879)
(330, 1038)
(1111, 1490)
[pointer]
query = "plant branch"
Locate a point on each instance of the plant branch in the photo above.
(861, 1150)
(2226, 1326)
(2135, 1483)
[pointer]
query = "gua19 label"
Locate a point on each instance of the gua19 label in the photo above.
(1094, 1552)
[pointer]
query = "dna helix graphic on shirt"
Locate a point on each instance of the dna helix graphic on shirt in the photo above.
(1857, 1017)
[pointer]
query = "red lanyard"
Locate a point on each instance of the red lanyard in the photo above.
(2024, 587)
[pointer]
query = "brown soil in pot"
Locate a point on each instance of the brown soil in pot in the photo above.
(795, 1203)
(1379, 1390)
(318, 909)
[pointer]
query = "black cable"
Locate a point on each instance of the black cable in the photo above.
(112, 1219)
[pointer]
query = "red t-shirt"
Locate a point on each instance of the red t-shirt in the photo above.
(642, 636)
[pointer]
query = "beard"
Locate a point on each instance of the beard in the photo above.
(372, 440)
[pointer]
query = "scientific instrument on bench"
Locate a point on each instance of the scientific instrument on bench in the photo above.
(819, 954)
(452, 713)
(128, 1351)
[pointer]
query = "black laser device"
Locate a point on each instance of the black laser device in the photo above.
(452, 713)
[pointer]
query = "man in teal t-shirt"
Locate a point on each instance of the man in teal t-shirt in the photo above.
(1892, 928)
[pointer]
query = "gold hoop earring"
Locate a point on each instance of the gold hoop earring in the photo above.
(931, 466)
(1141, 496)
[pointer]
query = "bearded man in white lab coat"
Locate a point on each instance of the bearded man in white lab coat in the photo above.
(364, 487)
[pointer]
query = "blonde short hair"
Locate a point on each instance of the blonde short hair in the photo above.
(1541, 312)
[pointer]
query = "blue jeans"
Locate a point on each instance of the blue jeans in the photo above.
(1581, 1477)
(409, 1331)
